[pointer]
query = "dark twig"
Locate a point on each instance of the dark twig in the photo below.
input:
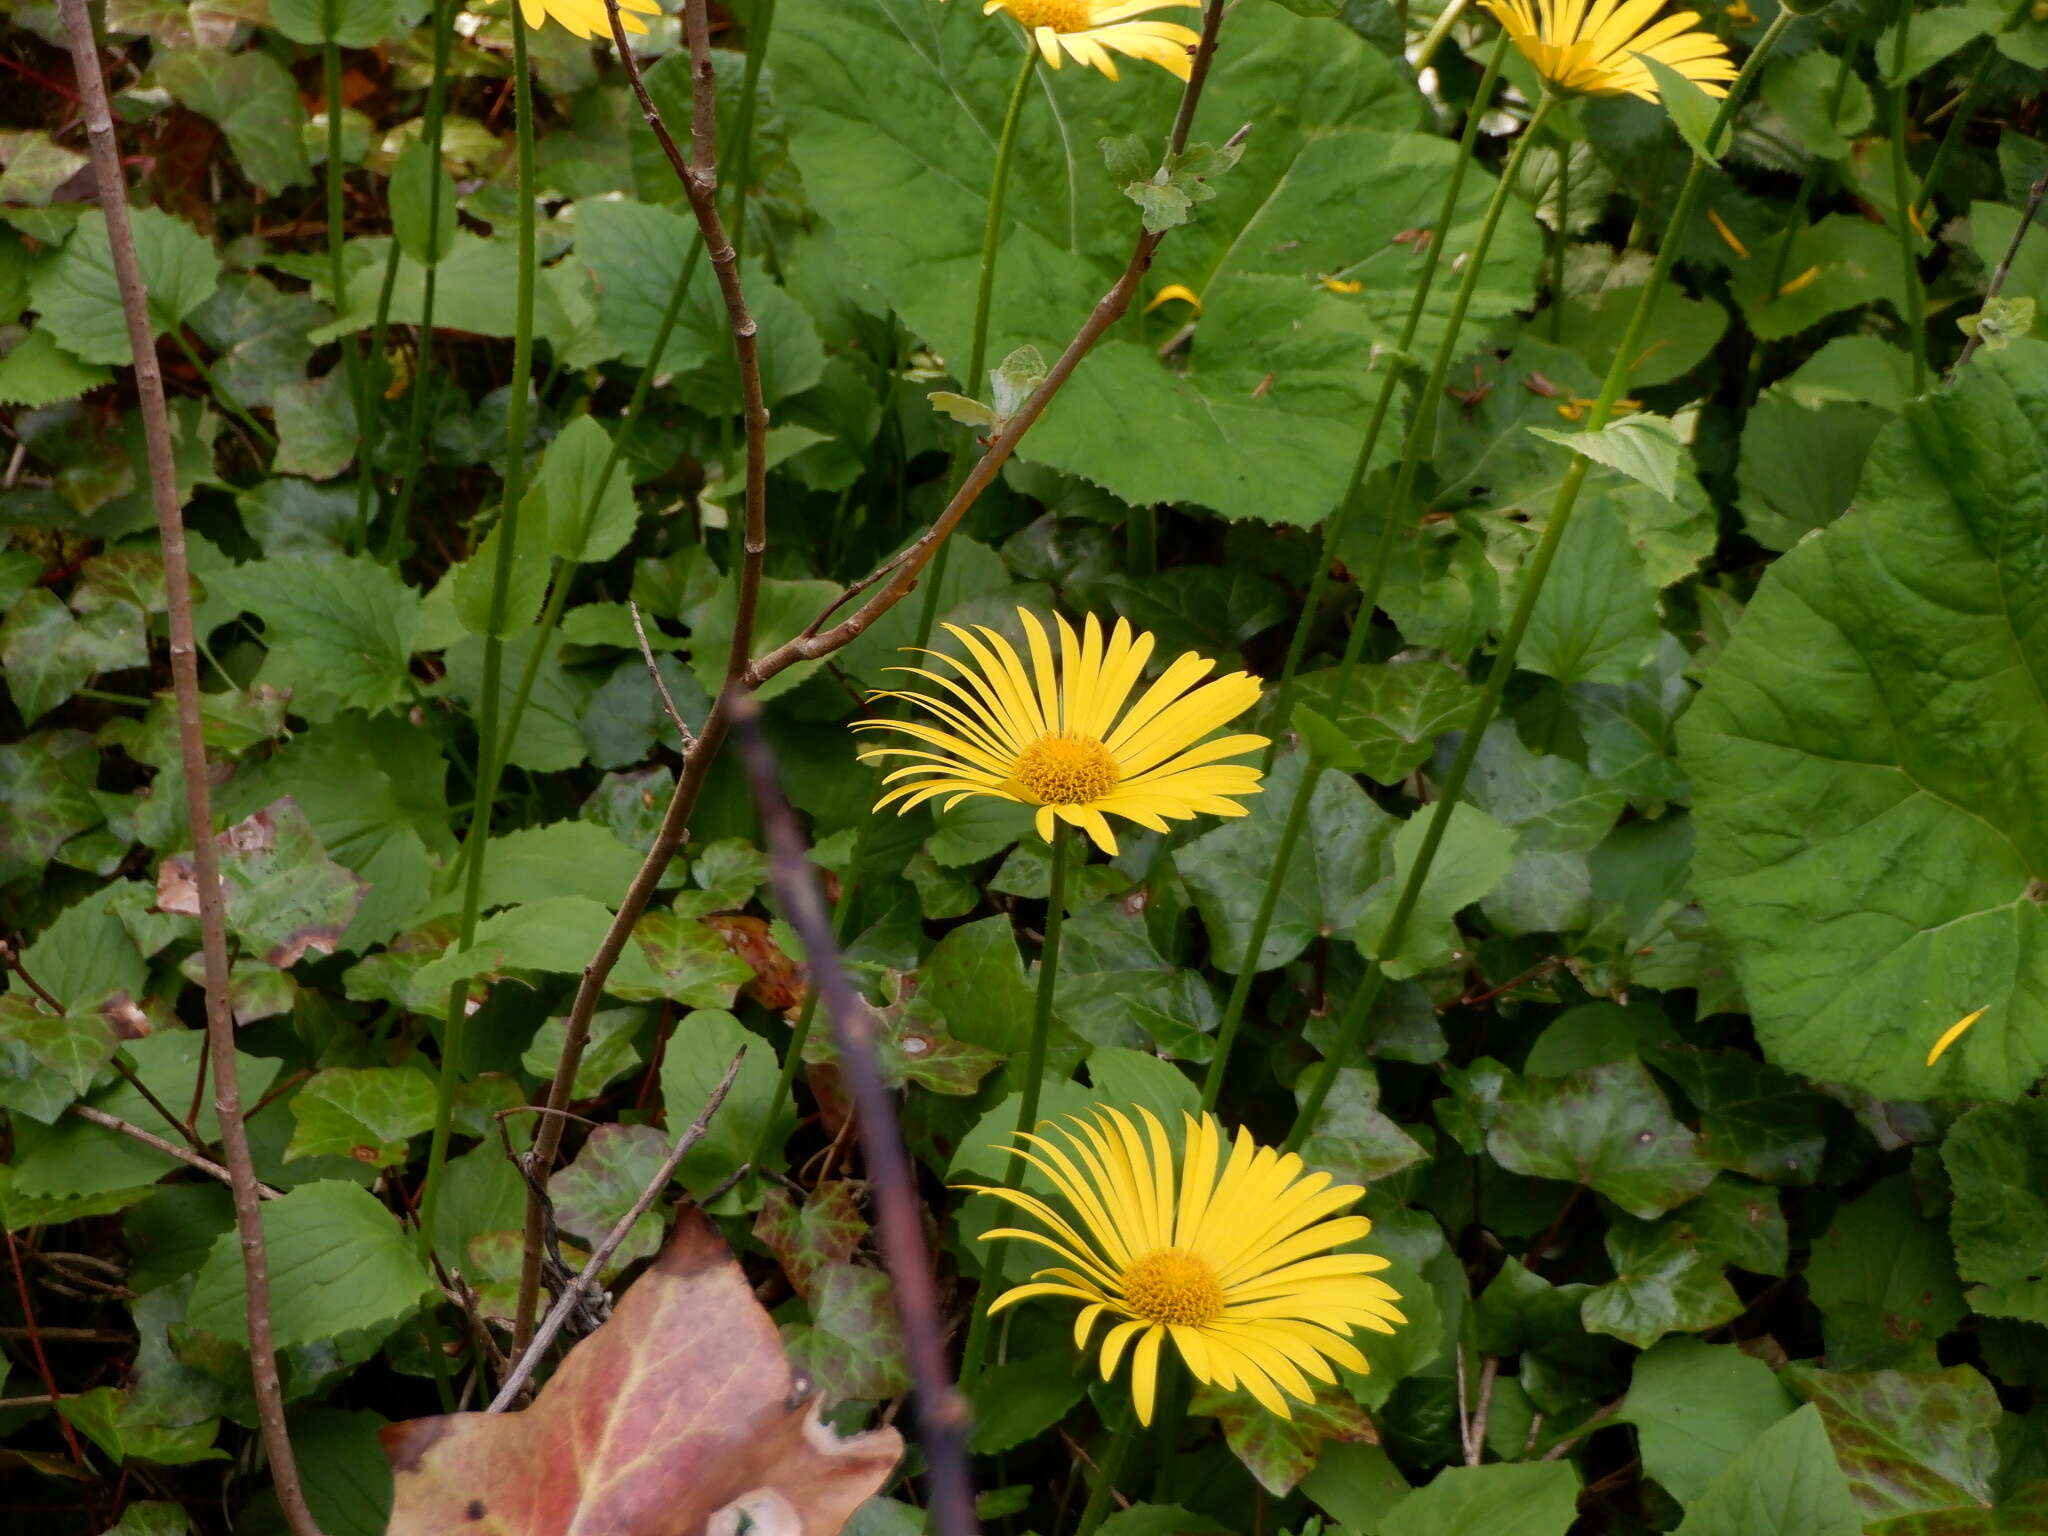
(189, 1158)
(1999, 273)
(584, 1285)
(942, 1412)
(220, 1024)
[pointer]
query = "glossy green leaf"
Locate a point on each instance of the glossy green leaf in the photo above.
(80, 302)
(1605, 1126)
(1784, 1483)
(1697, 1409)
(1997, 1160)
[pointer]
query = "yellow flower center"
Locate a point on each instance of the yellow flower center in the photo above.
(1173, 1286)
(1060, 15)
(1066, 769)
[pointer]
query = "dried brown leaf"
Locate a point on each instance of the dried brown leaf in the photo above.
(675, 1417)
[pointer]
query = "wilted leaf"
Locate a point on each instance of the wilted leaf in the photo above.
(1281, 1452)
(1910, 1441)
(286, 898)
(682, 1406)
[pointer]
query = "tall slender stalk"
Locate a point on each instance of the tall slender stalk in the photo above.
(976, 1347)
(337, 266)
(1339, 523)
(184, 652)
(1107, 1470)
(1421, 425)
(1562, 237)
(489, 752)
(434, 130)
(1352, 1021)
(1902, 208)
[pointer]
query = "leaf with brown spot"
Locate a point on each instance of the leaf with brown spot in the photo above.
(779, 981)
(828, 1229)
(286, 898)
(679, 1409)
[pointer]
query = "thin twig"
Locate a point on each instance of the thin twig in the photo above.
(942, 1414)
(585, 1283)
(220, 1024)
(660, 683)
(35, 1340)
(1999, 273)
(189, 1158)
(1475, 1432)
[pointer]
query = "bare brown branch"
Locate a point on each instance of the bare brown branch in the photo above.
(185, 1155)
(220, 1024)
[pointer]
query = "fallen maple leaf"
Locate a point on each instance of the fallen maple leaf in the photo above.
(677, 1416)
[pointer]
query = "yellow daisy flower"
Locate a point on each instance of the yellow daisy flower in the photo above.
(1089, 29)
(587, 18)
(1053, 737)
(1233, 1265)
(1590, 46)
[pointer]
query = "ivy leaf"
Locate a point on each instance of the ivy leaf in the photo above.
(700, 1049)
(80, 302)
(826, 1229)
(595, 1191)
(1997, 1161)
(113, 1420)
(854, 1347)
(72, 1045)
(694, 1410)
(1392, 714)
(1281, 1452)
(1812, 791)
(608, 1052)
(1884, 1276)
(1663, 1283)
(1784, 1483)
(367, 1113)
(1607, 1127)
(339, 1264)
(1642, 446)
(252, 97)
(1911, 1442)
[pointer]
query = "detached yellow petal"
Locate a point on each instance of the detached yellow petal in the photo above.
(1953, 1033)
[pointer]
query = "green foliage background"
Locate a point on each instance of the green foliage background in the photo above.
(1646, 1118)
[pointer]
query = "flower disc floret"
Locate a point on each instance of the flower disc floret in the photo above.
(1173, 1287)
(1066, 770)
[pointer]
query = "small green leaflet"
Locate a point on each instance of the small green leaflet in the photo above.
(1691, 109)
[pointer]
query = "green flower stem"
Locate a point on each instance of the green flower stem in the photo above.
(1420, 428)
(1255, 940)
(1563, 237)
(1108, 1469)
(416, 424)
(1339, 524)
(759, 29)
(488, 753)
(1902, 209)
(976, 1347)
(367, 415)
(558, 591)
(337, 266)
(1352, 1022)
